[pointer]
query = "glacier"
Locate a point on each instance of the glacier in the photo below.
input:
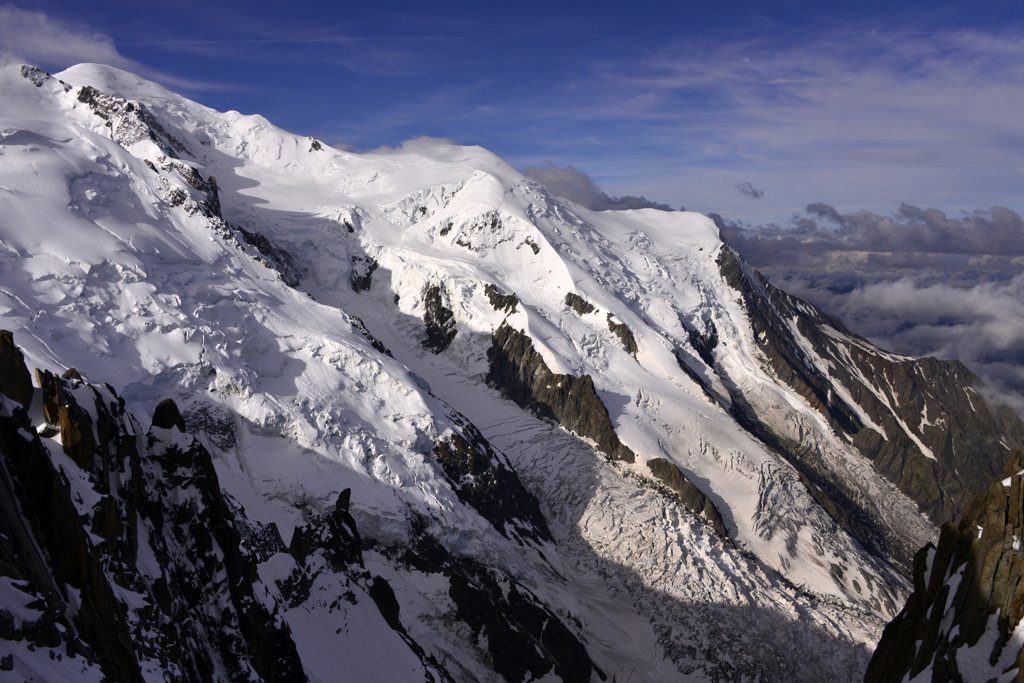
(327, 321)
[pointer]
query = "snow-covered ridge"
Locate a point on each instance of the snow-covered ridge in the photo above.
(281, 291)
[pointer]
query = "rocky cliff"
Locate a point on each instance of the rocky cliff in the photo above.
(962, 623)
(921, 422)
(127, 555)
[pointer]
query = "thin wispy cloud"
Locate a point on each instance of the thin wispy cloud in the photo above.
(40, 40)
(865, 118)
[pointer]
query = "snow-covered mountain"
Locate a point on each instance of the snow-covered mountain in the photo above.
(429, 422)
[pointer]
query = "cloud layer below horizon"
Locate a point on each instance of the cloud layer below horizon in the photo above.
(917, 282)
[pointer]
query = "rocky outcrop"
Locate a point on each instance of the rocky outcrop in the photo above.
(281, 260)
(688, 495)
(51, 550)
(130, 122)
(189, 511)
(522, 376)
(920, 421)
(15, 382)
(361, 278)
(501, 302)
(140, 517)
(579, 304)
(484, 480)
(335, 535)
(374, 342)
(145, 516)
(439, 321)
(524, 639)
(705, 344)
(625, 335)
(962, 623)
(479, 233)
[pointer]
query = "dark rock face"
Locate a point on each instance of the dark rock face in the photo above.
(704, 344)
(14, 377)
(384, 596)
(522, 376)
(689, 495)
(926, 402)
(335, 536)
(524, 638)
(968, 597)
(145, 516)
(245, 635)
(439, 320)
(286, 265)
(130, 122)
(362, 273)
(49, 548)
(167, 416)
(330, 545)
(579, 304)
(484, 479)
(374, 342)
(624, 334)
(199, 616)
(501, 302)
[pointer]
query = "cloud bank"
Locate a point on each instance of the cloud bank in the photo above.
(916, 282)
(576, 186)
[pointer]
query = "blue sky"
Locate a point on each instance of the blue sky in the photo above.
(859, 107)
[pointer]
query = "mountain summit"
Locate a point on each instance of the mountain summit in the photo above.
(307, 415)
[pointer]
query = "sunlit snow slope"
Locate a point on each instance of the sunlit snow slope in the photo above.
(328, 320)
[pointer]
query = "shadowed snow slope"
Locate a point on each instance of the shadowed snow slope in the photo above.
(400, 325)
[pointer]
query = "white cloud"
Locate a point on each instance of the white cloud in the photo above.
(916, 282)
(37, 39)
(417, 144)
(981, 325)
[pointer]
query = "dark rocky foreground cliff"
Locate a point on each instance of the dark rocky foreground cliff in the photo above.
(121, 555)
(962, 621)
